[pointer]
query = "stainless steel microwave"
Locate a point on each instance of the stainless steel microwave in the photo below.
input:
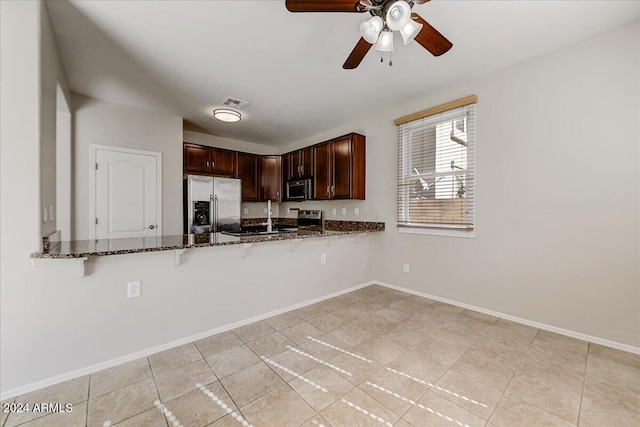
(299, 190)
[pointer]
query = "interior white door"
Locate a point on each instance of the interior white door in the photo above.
(127, 193)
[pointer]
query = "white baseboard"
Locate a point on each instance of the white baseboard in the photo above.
(550, 328)
(149, 351)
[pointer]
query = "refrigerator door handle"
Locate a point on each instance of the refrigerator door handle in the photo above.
(215, 214)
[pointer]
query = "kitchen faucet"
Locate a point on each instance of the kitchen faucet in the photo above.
(269, 223)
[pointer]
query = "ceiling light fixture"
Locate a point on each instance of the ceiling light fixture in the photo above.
(226, 115)
(388, 16)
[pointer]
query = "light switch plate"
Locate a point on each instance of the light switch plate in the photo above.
(356, 211)
(246, 211)
(333, 211)
(344, 211)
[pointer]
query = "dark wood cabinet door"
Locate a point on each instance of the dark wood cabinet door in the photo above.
(322, 172)
(295, 165)
(196, 158)
(287, 168)
(247, 171)
(359, 166)
(271, 178)
(306, 162)
(342, 168)
(223, 161)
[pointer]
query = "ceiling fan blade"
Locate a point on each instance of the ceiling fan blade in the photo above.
(430, 38)
(357, 54)
(324, 6)
(420, 1)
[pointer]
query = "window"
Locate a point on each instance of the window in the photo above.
(436, 169)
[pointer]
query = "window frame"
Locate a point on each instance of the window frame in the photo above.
(435, 229)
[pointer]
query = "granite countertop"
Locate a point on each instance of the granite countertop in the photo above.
(104, 247)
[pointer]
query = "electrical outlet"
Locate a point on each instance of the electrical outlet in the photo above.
(133, 289)
(405, 268)
(323, 258)
(265, 210)
(333, 211)
(344, 211)
(356, 211)
(246, 211)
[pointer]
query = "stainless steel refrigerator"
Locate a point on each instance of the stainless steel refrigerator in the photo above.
(211, 204)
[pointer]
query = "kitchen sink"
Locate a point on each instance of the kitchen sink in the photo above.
(250, 233)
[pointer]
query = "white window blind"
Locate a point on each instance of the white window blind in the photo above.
(436, 169)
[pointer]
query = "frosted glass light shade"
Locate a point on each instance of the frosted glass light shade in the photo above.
(410, 31)
(398, 15)
(226, 115)
(385, 42)
(370, 29)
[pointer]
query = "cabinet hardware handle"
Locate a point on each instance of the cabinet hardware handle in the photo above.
(328, 189)
(213, 165)
(332, 188)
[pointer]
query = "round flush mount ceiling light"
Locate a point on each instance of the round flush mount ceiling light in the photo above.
(226, 115)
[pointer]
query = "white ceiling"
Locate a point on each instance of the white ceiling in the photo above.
(186, 57)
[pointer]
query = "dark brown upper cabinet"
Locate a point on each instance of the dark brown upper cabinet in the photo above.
(203, 159)
(223, 161)
(322, 171)
(339, 168)
(247, 171)
(196, 158)
(302, 163)
(270, 178)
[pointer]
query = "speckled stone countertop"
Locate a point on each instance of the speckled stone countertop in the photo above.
(104, 247)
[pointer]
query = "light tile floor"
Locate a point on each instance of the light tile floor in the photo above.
(373, 357)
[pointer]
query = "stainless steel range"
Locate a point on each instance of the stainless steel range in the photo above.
(309, 219)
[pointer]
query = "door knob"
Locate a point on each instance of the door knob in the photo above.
(151, 227)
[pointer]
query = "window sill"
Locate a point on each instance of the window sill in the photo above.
(443, 232)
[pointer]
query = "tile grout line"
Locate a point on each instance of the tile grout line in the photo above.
(86, 414)
(504, 392)
(220, 379)
(153, 377)
(584, 382)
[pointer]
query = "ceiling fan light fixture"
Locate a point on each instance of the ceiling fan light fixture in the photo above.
(385, 42)
(398, 15)
(227, 115)
(370, 29)
(410, 31)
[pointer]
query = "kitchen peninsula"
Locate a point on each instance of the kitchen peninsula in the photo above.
(105, 247)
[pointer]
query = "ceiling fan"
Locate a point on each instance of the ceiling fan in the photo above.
(387, 16)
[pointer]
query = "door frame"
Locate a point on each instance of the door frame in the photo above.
(93, 148)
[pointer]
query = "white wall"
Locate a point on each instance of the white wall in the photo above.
(99, 122)
(52, 75)
(557, 215)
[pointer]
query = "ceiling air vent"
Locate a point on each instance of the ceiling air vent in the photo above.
(235, 103)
